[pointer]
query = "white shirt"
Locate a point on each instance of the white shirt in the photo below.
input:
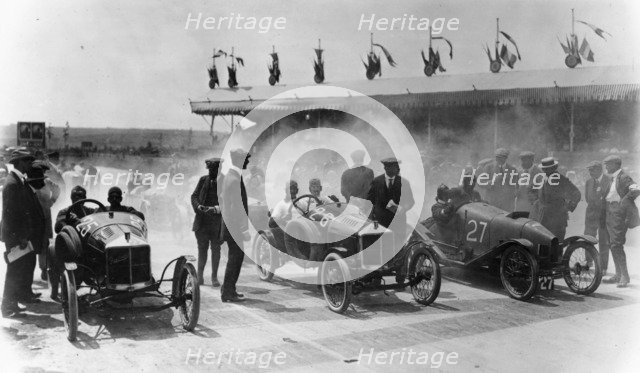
(284, 211)
(389, 180)
(613, 195)
(20, 175)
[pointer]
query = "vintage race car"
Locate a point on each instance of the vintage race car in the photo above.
(108, 253)
(526, 253)
(342, 259)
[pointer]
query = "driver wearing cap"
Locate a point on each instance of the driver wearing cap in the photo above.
(78, 212)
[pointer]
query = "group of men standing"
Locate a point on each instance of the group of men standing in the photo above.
(610, 202)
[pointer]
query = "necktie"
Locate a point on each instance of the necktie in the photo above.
(390, 183)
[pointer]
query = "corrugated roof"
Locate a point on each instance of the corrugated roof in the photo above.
(506, 88)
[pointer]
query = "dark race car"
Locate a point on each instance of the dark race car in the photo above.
(109, 255)
(349, 232)
(528, 255)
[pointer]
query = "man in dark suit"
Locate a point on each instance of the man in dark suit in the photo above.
(207, 224)
(594, 220)
(41, 206)
(235, 215)
(556, 198)
(356, 181)
(16, 231)
(499, 191)
(391, 197)
(621, 213)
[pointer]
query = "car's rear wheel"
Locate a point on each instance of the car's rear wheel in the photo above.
(263, 257)
(189, 295)
(337, 290)
(69, 302)
(519, 273)
(427, 269)
(582, 270)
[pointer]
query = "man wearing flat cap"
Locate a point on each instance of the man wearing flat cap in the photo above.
(621, 214)
(500, 192)
(525, 194)
(236, 215)
(391, 197)
(18, 211)
(556, 198)
(207, 224)
(594, 219)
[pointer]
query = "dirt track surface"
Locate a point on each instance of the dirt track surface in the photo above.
(287, 326)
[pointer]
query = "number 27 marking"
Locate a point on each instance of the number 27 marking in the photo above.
(470, 235)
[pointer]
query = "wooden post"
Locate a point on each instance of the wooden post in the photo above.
(429, 127)
(571, 130)
(495, 128)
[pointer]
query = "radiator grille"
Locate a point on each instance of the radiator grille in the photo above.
(128, 265)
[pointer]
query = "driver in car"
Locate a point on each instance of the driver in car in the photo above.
(78, 212)
(315, 188)
(284, 210)
(114, 197)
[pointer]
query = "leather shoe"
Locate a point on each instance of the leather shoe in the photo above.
(29, 300)
(622, 284)
(215, 283)
(13, 311)
(239, 295)
(232, 299)
(611, 280)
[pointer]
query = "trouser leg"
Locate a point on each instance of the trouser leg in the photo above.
(27, 275)
(11, 283)
(215, 258)
(603, 246)
(232, 272)
(203, 248)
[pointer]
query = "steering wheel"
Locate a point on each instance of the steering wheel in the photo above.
(81, 203)
(309, 197)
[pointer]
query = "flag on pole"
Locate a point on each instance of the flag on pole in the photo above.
(512, 42)
(507, 57)
(565, 48)
(585, 50)
(600, 32)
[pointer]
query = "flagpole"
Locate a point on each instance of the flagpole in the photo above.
(497, 31)
(233, 57)
(429, 37)
(573, 31)
(371, 44)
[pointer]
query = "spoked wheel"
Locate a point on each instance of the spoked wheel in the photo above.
(427, 269)
(189, 295)
(69, 299)
(582, 271)
(519, 273)
(336, 288)
(264, 261)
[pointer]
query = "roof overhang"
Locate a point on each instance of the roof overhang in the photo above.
(587, 84)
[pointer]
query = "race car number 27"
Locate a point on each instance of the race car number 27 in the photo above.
(473, 234)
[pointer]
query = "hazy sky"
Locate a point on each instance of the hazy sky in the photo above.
(126, 63)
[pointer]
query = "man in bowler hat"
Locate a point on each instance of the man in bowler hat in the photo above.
(594, 219)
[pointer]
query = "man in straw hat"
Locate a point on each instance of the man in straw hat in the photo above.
(556, 198)
(621, 213)
(594, 219)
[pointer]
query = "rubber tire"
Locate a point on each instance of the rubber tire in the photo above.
(596, 260)
(534, 276)
(69, 295)
(189, 322)
(68, 245)
(262, 274)
(348, 293)
(436, 276)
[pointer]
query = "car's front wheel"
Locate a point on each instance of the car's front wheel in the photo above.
(69, 304)
(262, 253)
(426, 269)
(189, 296)
(519, 272)
(336, 287)
(582, 271)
